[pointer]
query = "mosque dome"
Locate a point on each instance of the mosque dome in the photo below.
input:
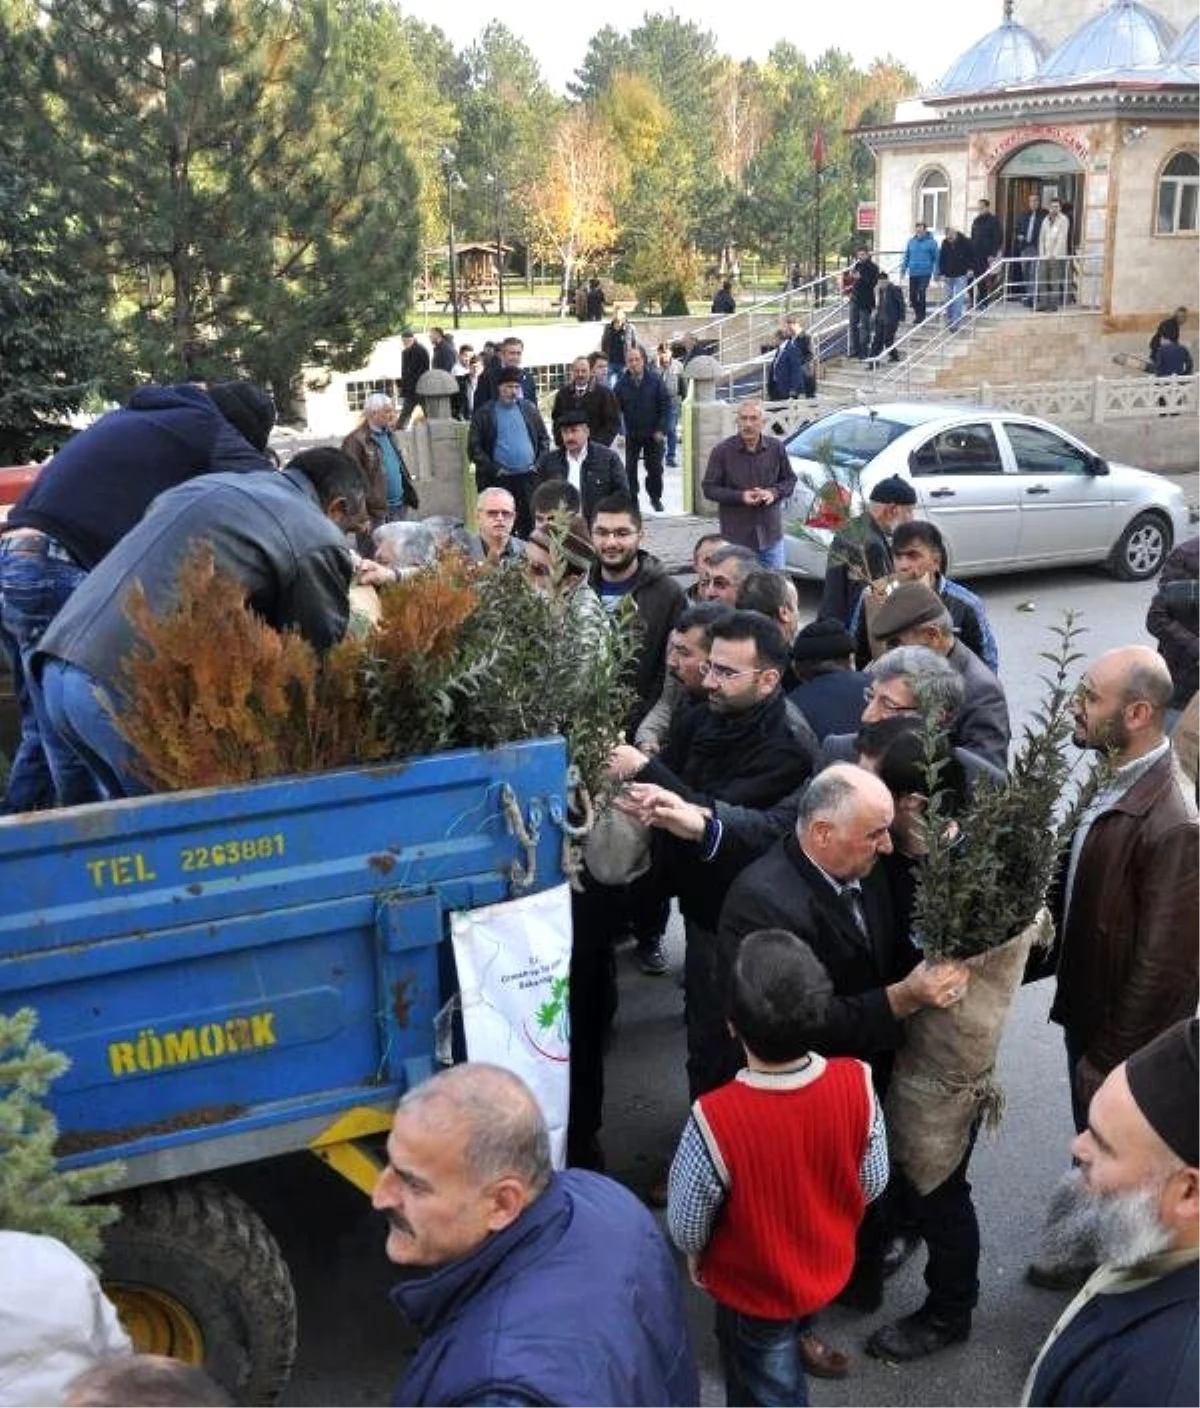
(1126, 36)
(1186, 49)
(1009, 54)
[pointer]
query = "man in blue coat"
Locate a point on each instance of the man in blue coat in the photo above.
(646, 412)
(535, 1287)
(1130, 1335)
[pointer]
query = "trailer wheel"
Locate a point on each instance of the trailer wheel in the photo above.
(194, 1273)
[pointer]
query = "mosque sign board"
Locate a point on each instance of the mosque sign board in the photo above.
(1039, 135)
(867, 215)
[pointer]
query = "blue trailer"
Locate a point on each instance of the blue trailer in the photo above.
(247, 972)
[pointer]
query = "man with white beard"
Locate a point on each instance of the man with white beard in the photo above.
(1133, 1205)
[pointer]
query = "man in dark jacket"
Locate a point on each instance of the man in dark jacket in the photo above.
(1170, 327)
(724, 302)
(506, 439)
(582, 393)
(987, 240)
(646, 411)
(725, 786)
(594, 469)
(830, 691)
(414, 363)
(1026, 244)
(615, 341)
(954, 269)
(508, 358)
(281, 535)
(82, 503)
(864, 275)
(532, 1286)
(889, 314)
(914, 614)
(750, 477)
(1131, 1335)
(862, 551)
(1173, 618)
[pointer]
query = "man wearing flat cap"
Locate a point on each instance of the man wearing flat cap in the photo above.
(594, 469)
(1130, 1335)
(914, 614)
(862, 551)
(505, 441)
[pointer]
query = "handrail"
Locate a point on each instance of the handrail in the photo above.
(1078, 288)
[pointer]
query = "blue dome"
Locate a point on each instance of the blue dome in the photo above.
(1186, 49)
(1125, 36)
(1007, 55)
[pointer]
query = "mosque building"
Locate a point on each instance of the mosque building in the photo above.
(1095, 104)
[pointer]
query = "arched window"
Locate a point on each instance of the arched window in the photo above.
(933, 199)
(1178, 187)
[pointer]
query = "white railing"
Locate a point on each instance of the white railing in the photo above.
(1060, 288)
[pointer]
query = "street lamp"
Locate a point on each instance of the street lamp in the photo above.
(818, 154)
(497, 188)
(453, 181)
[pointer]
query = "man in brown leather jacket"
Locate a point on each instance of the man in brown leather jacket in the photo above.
(1127, 910)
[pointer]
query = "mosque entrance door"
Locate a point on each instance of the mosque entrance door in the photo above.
(1045, 170)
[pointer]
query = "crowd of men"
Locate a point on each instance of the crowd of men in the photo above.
(777, 772)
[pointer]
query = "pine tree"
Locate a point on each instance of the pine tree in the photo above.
(34, 1195)
(232, 168)
(51, 332)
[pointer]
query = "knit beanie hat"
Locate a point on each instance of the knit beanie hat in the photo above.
(247, 409)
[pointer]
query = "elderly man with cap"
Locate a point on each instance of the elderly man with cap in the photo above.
(80, 506)
(1130, 1335)
(914, 614)
(594, 469)
(830, 691)
(506, 439)
(862, 551)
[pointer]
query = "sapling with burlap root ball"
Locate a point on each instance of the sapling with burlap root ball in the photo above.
(980, 899)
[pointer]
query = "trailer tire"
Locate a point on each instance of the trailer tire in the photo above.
(196, 1274)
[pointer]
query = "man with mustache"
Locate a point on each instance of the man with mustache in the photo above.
(534, 1286)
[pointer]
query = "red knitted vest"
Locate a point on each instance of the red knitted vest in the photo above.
(784, 1242)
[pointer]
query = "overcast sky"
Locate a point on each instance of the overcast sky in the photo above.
(926, 38)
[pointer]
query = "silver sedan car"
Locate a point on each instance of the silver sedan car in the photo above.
(1008, 492)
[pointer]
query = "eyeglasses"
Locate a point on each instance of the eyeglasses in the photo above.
(498, 513)
(725, 673)
(622, 535)
(889, 706)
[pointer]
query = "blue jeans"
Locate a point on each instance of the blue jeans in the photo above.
(955, 288)
(774, 556)
(36, 578)
(80, 709)
(673, 433)
(761, 1360)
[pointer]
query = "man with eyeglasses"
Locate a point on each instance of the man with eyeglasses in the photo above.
(737, 768)
(496, 514)
(727, 568)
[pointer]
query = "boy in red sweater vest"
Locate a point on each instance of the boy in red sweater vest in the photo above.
(773, 1172)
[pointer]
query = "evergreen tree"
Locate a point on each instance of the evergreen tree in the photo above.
(231, 163)
(34, 1195)
(51, 330)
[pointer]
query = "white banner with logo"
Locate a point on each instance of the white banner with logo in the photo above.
(513, 962)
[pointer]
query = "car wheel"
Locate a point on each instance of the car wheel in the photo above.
(1141, 548)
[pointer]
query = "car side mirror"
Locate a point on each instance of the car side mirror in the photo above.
(1097, 466)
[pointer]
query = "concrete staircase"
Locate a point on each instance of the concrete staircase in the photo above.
(1005, 344)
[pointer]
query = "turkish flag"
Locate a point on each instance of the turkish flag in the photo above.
(819, 149)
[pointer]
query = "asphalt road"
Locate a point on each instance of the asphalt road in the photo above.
(352, 1342)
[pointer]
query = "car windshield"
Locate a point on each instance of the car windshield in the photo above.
(846, 441)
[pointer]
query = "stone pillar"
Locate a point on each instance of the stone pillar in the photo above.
(712, 422)
(436, 450)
